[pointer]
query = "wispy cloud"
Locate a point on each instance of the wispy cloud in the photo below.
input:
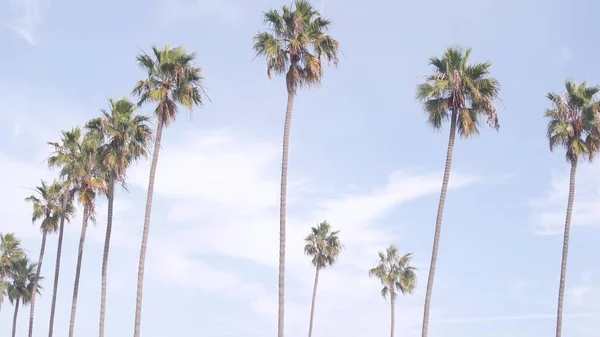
(26, 18)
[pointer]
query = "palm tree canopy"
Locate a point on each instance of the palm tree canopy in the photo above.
(395, 272)
(172, 79)
(467, 90)
(23, 277)
(77, 156)
(296, 43)
(323, 245)
(573, 121)
(48, 208)
(10, 251)
(123, 137)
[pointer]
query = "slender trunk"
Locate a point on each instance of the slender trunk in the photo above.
(312, 307)
(61, 232)
(438, 223)
(78, 272)
(37, 277)
(111, 199)
(282, 205)
(14, 329)
(140, 281)
(565, 252)
(393, 312)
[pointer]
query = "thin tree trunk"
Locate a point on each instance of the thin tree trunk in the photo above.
(312, 307)
(140, 281)
(393, 312)
(37, 277)
(61, 232)
(438, 223)
(111, 199)
(565, 252)
(78, 272)
(14, 329)
(282, 207)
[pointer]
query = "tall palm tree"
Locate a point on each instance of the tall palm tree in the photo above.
(47, 209)
(465, 94)
(24, 277)
(10, 251)
(324, 246)
(396, 274)
(574, 125)
(124, 137)
(66, 213)
(172, 80)
(296, 44)
(77, 156)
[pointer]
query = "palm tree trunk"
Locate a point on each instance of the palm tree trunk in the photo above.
(61, 232)
(78, 271)
(282, 207)
(140, 281)
(111, 199)
(393, 312)
(37, 277)
(14, 329)
(565, 252)
(438, 223)
(312, 307)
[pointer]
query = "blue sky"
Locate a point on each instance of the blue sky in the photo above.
(362, 157)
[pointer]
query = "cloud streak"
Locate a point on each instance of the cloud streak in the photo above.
(27, 19)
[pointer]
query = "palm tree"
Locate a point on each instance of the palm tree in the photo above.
(574, 125)
(124, 137)
(296, 43)
(23, 283)
(172, 80)
(78, 157)
(395, 273)
(464, 93)
(66, 213)
(48, 210)
(10, 251)
(324, 246)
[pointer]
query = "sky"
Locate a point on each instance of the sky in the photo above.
(362, 157)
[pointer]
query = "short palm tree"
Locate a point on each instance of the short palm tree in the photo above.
(172, 80)
(324, 246)
(296, 44)
(575, 126)
(48, 210)
(124, 137)
(465, 94)
(396, 274)
(78, 158)
(22, 285)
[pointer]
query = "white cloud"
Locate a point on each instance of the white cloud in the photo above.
(548, 212)
(27, 18)
(222, 191)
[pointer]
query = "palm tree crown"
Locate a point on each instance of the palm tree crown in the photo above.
(48, 208)
(172, 80)
(23, 276)
(573, 121)
(323, 245)
(10, 251)
(459, 90)
(123, 135)
(395, 272)
(296, 43)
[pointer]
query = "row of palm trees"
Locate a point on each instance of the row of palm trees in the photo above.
(18, 275)
(296, 45)
(94, 160)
